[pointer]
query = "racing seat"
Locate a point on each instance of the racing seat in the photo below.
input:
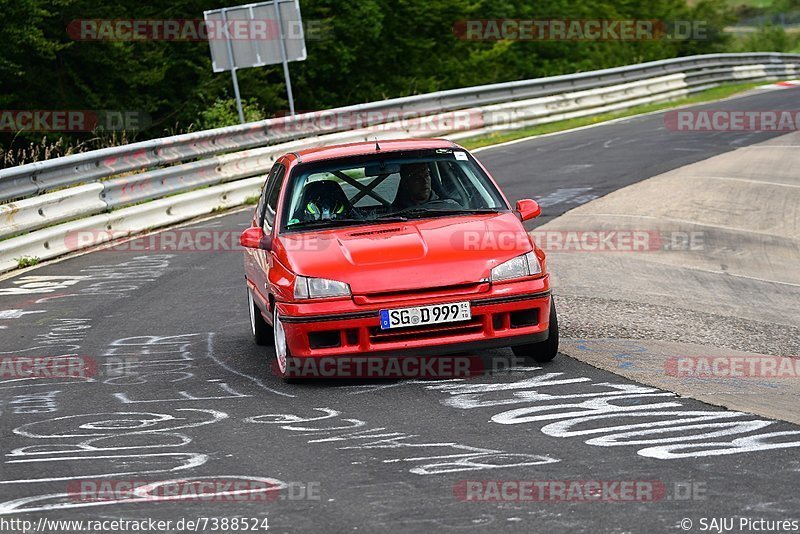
(324, 199)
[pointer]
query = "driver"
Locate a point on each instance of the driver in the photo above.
(415, 186)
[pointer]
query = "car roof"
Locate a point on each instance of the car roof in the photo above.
(368, 147)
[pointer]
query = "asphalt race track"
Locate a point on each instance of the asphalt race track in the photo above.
(392, 456)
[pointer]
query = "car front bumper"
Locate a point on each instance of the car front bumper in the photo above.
(506, 314)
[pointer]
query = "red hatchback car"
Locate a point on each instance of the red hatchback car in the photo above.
(395, 248)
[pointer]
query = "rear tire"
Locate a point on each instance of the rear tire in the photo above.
(544, 351)
(262, 333)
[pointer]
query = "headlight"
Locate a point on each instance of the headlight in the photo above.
(519, 267)
(317, 288)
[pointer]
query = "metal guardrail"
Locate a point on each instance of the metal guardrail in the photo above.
(209, 158)
(39, 177)
(98, 229)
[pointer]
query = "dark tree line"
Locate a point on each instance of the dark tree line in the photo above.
(367, 50)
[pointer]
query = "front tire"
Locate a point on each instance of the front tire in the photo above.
(286, 365)
(544, 351)
(262, 333)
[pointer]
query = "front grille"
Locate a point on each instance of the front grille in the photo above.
(424, 293)
(434, 331)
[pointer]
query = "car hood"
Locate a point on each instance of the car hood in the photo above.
(401, 256)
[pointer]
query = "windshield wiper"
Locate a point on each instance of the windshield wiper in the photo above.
(332, 223)
(390, 217)
(436, 212)
(322, 223)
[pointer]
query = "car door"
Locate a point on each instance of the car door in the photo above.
(251, 267)
(266, 219)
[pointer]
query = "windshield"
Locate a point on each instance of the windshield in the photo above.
(392, 187)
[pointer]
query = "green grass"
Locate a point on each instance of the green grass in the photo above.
(494, 138)
(762, 4)
(26, 261)
(251, 201)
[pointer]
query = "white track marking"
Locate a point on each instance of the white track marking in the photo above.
(256, 381)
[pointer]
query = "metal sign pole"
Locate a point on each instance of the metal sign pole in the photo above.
(285, 61)
(233, 66)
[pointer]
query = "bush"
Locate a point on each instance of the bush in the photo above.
(224, 113)
(26, 261)
(767, 38)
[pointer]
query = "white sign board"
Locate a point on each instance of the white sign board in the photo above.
(254, 32)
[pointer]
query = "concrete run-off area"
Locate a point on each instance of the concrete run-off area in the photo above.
(719, 290)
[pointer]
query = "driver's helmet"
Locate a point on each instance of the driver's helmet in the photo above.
(323, 200)
(323, 208)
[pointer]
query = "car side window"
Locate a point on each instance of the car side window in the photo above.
(268, 183)
(273, 193)
(262, 201)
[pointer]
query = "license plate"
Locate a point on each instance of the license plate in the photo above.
(425, 315)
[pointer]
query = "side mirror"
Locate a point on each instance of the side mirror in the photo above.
(253, 238)
(528, 209)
